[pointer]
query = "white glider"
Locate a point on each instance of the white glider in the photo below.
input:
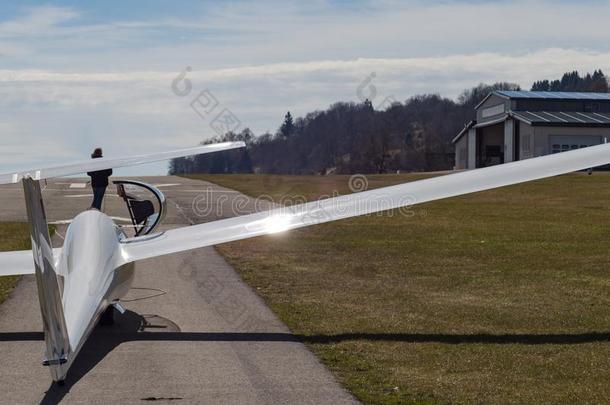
(95, 267)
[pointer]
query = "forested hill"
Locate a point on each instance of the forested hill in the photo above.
(414, 135)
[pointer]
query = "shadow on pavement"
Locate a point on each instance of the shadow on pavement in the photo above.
(131, 327)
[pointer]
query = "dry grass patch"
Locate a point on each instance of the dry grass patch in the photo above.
(13, 236)
(496, 297)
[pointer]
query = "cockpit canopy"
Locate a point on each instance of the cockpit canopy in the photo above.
(145, 214)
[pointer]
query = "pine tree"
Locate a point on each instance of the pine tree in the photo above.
(287, 126)
(599, 82)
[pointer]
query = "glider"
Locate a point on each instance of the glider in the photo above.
(94, 268)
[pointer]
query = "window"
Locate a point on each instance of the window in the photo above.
(563, 143)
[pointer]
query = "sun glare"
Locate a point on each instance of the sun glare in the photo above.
(278, 223)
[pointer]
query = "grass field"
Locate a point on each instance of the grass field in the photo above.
(497, 297)
(13, 236)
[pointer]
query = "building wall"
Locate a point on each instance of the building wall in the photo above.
(526, 141)
(542, 144)
(472, 148)
(561, 105)
(533, 141)
(461, 153)
(509, 140)
(493, 108)
(536, 141)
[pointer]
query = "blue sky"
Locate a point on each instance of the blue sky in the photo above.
(75, 75)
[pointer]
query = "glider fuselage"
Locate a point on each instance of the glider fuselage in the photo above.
(93, 274)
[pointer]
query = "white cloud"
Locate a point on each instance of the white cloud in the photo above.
(68, 86)
(238, 34)
(60, 115)
(403, 76)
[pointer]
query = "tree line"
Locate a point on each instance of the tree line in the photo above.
(572, 81)
(348, 137)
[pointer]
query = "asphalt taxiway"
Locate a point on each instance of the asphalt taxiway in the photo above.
(193, 332)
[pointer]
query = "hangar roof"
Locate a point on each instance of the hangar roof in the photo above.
(547, 118)
(553, 95)
(546, 95)
(563, 118)
(463, 131)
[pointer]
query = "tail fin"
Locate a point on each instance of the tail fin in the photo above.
(49, 293)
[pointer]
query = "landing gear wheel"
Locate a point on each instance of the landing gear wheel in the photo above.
(107, 318)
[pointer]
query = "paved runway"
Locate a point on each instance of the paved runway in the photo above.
(193, 332)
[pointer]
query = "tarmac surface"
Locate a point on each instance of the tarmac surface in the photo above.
(193, 331)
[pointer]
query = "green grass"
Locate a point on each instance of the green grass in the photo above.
(13, 236)
(495, 297)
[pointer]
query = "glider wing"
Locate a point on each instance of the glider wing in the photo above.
(110, 163)
(19, 262)
(367, 202)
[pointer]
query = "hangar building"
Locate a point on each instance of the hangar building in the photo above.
(516, 125)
